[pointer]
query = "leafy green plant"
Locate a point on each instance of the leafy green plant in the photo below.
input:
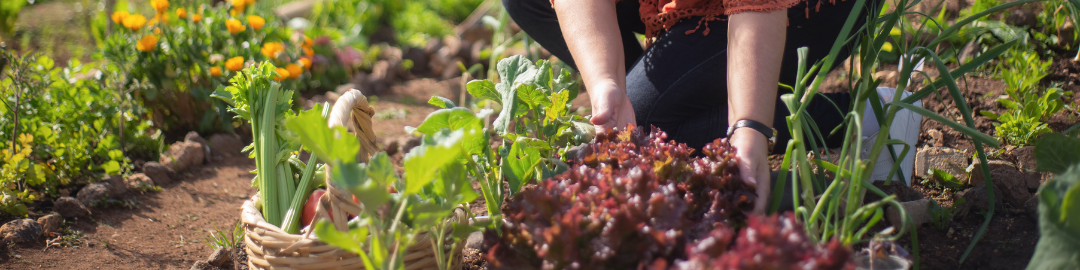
(60, 128)
(1059, 221)
(1018, 129)
(9, 12)
(223, 239)
(254, 96)
(822, 214)
(942, 217)
(434, 184)
(534, 123)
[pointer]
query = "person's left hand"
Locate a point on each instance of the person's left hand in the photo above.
(753, 158)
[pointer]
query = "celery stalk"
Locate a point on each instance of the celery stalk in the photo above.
(303, 190)
(267, 142)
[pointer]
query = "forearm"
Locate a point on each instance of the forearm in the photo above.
(591, 30)
(755, 50)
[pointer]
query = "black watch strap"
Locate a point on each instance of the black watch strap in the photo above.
(770, 133)
(760, 127)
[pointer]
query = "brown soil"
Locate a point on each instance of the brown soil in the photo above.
(162, 230)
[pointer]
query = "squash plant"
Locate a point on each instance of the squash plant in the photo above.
(535, 125)
(434, 184)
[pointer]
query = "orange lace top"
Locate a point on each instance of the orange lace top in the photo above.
(661, 15)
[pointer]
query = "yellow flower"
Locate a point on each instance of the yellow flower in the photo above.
(118, 17)
(235, 63)
(157, 31)
(256, 22)
(235, 26)
(196, 17)
(153, 21)
(309, 52)
(147, 43)
(294, 71)
(181, 13)
(272, 49)
(306, 62)
(281, 74)
(160, 5)
(887, 47)
(238, 5)
(134, 22)
(216, 71)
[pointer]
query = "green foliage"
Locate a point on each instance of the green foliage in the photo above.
(1056, 152)
(223, 239)
(9, 12)
(60, 127)
(1059, 222)
(1019, 129)
(414, 22)
(942, 217)
(435, 183)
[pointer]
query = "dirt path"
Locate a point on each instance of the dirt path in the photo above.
(161, 230)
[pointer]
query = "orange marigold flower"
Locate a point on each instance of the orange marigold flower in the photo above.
(308, 42)
(216, 71)
(294, 71)
(309, 52)
(256, 22)
(234, 26)
(281, 74)
(196, 17)
(160, 5)
(118, 17)
(134, 22)
(181, 13)
(272, 49)
(306, 62)
(235, 63)
(147, 43)
(157, 31)
(238, 5)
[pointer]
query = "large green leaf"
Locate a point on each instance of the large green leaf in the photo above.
(532, 96)
(1059, 215)
(450, 119)
(509, 108)
(519, 162)
(1055, 152)
(329, 144)
(441, 102)
(483, 89)
(423, 162)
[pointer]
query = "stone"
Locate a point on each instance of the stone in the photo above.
(419, 61)
(382, 76)
(412, 142)
(138, 179)
(452, 70)
(160, 174)
(391, 148)
(969, 52)
(904, 193)
(1022, 17)
(918, 210)
(295, 9)
(182, 155)
(936, 137)
(976, 175)
(24, 231)
(975, 199)
(950, 160)
(194, 137)
(50, 224)
(1013, 184)
(92, 193)
(227, 145)
(1025, 157)
(433, 45)
(220, 257)
(116, 185)
(202, 265)
(1065, 34)
(475, 240)
(69, 207)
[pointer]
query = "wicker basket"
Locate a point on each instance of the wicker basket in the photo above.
(269, 247)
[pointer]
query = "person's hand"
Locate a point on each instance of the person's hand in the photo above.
(753, 159)
(610, 106)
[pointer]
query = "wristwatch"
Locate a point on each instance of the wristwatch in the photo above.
(769, 132)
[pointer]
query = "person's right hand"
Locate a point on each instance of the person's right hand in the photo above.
(610, 106)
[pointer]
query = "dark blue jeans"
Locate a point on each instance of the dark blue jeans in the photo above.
(679, 84)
